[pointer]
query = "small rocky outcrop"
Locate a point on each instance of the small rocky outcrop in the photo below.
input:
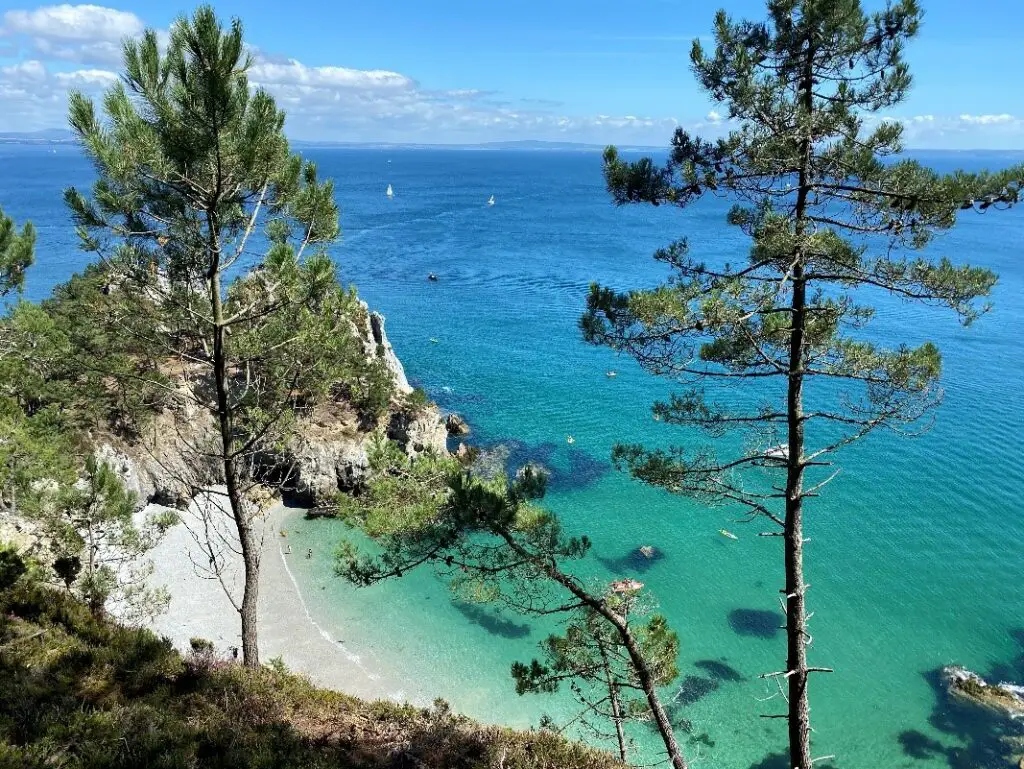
(456, 425)
(1005, 699)
(418, 431)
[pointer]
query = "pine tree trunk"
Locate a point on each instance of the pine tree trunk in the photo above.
(251, 565)
(225, 413)
(796, 612)
(661, 719)
(613, 698)
(796, 619)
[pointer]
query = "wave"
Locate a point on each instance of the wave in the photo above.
(350, 656)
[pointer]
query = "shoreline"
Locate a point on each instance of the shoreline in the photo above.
(200, 608)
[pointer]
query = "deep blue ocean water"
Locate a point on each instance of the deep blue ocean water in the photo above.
(915, 553)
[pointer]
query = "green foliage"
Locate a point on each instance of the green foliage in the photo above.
(12, 566)
(418, 399)
(16, 254)
(79, 354)
(591, 658)
(36, 453)
(82, 692)
(98, 546)
(494, 543)
(432, 510)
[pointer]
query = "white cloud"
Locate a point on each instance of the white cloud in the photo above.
(987, 119)
(74, 22)
(713, 117)
(294, 73)
(83, 78)
(77, 33)
(25, 71)
(32, 97)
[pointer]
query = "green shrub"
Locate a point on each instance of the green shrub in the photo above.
(12, 566)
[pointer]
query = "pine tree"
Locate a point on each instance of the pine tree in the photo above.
(592, 659)
(16, 253)
(98, 544)
(495, 544)
(821, 189)
(191, 164)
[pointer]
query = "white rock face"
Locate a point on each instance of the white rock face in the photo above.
(384, 349)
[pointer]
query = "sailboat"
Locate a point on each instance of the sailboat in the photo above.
(390, 193)
(491, 201)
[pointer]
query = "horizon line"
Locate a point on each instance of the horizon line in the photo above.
(39, 137)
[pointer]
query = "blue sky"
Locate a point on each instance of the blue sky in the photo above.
(460, 71)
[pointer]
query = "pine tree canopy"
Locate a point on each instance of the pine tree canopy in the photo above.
(820, 184)
(16, 253)
(190, 159)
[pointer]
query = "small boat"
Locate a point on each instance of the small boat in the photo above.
(570, 440)
(611, 374)
(390, 192)
(490, 202)
(433, 340)
(431, 276)
(727, 534)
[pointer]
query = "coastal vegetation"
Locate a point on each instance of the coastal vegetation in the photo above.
(81, 691)
(16, 253)
(819, 187)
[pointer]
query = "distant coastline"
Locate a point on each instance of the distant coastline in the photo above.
(57, 136)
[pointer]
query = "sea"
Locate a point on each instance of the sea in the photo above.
(915, 553)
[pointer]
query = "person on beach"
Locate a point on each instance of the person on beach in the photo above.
(288, 551)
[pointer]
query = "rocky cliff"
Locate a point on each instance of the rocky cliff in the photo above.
(326, 453)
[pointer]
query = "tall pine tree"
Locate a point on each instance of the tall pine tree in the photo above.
(821, 189)
(191, 164)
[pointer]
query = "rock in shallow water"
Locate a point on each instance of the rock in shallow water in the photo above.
(1004, 698)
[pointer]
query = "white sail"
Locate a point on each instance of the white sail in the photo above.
(390, 193)
(491, 201)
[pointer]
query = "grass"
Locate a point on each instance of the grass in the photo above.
(77, 691)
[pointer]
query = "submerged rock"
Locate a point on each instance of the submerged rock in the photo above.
(1006, 699)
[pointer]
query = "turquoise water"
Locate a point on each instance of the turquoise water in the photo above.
(915, 551)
